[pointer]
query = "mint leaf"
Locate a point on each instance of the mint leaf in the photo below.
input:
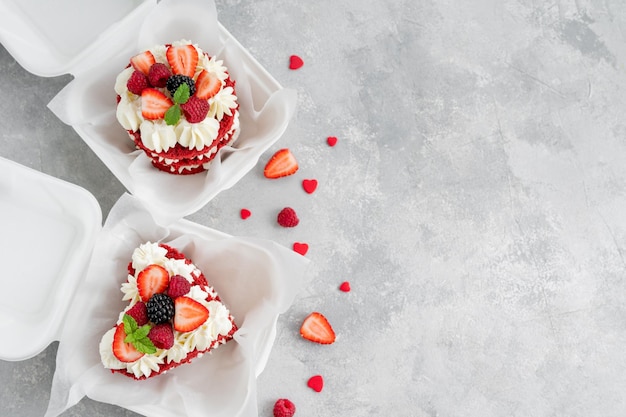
(182, 94)
(145, 345)
(172, 115)
(142, 332)
(130, 325)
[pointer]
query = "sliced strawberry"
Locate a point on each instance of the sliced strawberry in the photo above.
(281, 164)
(124, 352)
(189, 314)
(183, 59)
(207, 85)
(152, 280)
(143, 61)
(317, 329)
(154, 104)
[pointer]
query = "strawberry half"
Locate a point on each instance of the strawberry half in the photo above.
(124, 352)
(183, 59)
(317, 329)
(143, 61)
(152, 280)
(154, 104)
(281, 164)
(189, 314)
(207, 85)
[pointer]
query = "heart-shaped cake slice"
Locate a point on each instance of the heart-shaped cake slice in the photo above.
(173, 315)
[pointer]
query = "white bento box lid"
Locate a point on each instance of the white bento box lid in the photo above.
(49, 228)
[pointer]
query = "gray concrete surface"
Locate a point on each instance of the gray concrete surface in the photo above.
(476, 201)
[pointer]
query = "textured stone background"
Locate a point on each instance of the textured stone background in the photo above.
(476, 200)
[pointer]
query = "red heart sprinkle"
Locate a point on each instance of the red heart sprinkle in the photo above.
(245, 213)
(345, 286)
(301, 248)
(295, 62)
(309, 185)
(331, 140)
(316, 382)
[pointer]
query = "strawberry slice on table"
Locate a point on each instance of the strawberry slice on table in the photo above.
(124, 352)
(281, 164)
(316, 328)
(143, 61)
(154, 104)
(189, 314)
(183, 59)
(207, 85)
(152, 280)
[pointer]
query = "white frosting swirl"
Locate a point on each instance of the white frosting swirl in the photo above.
(147, 254)
(129, 288)
(222, 103)
(156, 135)
(197, 135)
(146, 364)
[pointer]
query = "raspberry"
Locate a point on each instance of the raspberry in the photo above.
(179, 286)
(195, 109)
(287, 217)
(137, 82)
(158, 75)
(160, 308)
(139, 313)
(162, 336)
(284, 408)
(177, 80)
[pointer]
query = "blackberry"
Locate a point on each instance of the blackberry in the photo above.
(177, 80)
(160, 308)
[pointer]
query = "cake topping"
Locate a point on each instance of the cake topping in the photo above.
(345, 286)
(152, 280)
(316, 328)
(331, 140)
(159, 75)
(281, 164)
(137, 82)
(175, 81)
(245, 213)
(189, 315)
(162, 336)
(208, 85)
(178, 286)
(160, 308)
(143, 61)
(183, 59)
(124, 351)
(139, 312)
(154, 104)
(195, 109)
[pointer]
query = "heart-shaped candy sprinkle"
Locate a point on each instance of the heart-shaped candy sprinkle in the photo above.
(295, 62)
(345, 286)
(331, 140)
(316, 383)
(301, 248)
(245, 213)
(309, 185)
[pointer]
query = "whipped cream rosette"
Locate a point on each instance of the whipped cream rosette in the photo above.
(173, 315)
(178, 105)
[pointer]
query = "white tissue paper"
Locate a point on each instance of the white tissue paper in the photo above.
(88, 104)
(256, 279)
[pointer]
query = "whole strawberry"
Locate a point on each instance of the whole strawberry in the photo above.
(284, 408)
(287, 217)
